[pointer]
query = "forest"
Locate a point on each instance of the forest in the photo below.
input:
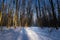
(27, 13)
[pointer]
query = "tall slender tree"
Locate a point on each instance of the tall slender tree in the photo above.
(58, 7)
(54, 22)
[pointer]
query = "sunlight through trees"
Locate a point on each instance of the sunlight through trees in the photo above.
(22, 13)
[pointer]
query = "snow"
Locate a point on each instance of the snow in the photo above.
(29, 33)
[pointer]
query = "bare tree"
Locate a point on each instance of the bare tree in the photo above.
(58, 7)
(54, 21)
(29, 13)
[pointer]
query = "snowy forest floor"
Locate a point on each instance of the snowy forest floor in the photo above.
(29, 33)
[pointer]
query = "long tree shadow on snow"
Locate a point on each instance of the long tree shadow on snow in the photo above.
(45, 34)
(24, 34)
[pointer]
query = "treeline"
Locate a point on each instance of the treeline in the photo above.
(50, 13)
(46, 13)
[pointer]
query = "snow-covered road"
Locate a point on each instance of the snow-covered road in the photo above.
(30, 33)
